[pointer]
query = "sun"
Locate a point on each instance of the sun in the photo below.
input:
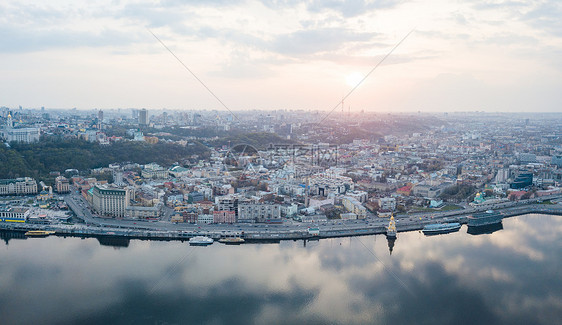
(353, 79)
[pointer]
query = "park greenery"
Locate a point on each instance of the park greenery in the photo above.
(53, 154)
(57, 154)
(458, 192)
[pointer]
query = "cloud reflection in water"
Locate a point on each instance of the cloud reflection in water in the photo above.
(509, 276)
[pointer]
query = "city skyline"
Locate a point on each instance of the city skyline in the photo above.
(476, 56)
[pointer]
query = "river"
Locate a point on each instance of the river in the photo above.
(511, 276)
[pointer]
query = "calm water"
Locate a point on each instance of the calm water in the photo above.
(512, 276)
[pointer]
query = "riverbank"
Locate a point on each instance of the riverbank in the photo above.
(272, 233)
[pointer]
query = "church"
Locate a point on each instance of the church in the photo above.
(27, 135)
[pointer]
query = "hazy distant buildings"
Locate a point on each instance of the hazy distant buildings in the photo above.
(27, 135)
(100, 119)
(143, 117)
(526, 158)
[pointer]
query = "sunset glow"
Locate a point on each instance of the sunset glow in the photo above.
(353, 79)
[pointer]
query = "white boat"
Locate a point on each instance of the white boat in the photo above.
(441, 228)
(200, 241)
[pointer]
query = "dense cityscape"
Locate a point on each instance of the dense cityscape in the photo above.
(269, 167)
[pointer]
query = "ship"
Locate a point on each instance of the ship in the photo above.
(487, 218)
(441, 228)
(200, 241)
(314, 232)
(488, 229)
(39, 233)
(232, 240)
(391, 229)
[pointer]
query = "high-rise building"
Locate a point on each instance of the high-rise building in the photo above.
(523, 179)
(100, 119)
(143, 117)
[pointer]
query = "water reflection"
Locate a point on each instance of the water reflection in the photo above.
(508, 276)
(485, 229)
(116, 242)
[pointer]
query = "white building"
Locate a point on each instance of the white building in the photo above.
(387, 203)
(23, 185)
(14, 214)
(205, 218)
(154, 171)
(258, 212)
(140, 212)
(110, 201)
(62, 185)
(348, 216)
(178, 171)
(27, 135)
(325, 184)
(289, 210)
(352, 205)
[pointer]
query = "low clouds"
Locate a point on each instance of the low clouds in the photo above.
(251, 40)
(31, 28)
(18, 40)
(318, 40)
(345, 8)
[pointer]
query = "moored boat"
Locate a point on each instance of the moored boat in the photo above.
(200, 241)
(39, 233)
(314, 231)
(232, 240)
(488, 229)
(441, 228)
(487, 218)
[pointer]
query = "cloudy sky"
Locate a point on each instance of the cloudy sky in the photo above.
(487, 55)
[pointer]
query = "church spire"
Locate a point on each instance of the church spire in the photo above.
(10, 122)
